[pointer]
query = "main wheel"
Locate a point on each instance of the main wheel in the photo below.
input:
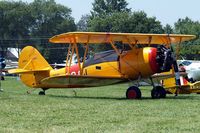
(2, 78)
(133, 92)
(158, 92)
(42, 93)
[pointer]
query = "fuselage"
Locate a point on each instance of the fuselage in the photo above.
(130, 65)
(104, 68)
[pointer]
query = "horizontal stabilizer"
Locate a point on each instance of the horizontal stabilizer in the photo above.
(30, 61)
(19, 71)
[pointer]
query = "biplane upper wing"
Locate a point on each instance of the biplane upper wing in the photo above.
(107, 37)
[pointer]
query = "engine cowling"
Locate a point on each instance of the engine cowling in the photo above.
(145, 61)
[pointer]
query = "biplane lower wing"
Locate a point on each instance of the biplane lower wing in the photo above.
(161, 76)
(74, 81)
(20, 71)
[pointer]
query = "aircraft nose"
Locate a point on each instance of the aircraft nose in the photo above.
(153, 60)
(164, 58)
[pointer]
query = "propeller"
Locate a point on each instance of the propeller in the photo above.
(174, 64)
(176, 70)
(175, 67)
(167, 60)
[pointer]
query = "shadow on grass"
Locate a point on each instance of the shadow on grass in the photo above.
(191, 97)
(87, 97)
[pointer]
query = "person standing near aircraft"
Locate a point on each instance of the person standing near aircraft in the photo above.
(2, 66)
(182, 69)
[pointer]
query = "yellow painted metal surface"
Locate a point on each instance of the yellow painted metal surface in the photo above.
(32, 67)
(110, 69)
(135, 63)
(31, 59)
(33, 79)
(170, 86)
(58, 72)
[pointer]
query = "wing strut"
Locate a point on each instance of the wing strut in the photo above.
(113, 46)
(77, 54)
(70, 62)
(68, 54)
(85, 54)
(129, 43)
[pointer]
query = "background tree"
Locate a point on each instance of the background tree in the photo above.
(50, 19)
(82, 24)
(15, 20)
(33, 24)
(168, 29)
(191, 49)
(136, 22)
(108, 7)
(115, 16)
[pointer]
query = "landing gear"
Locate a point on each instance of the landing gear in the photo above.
(158, 92)
(2, 78)
(43, 92)
(133, 92)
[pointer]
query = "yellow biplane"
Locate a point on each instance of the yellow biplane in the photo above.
(133, 57)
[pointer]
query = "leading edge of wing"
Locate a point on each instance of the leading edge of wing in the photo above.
(85, 76)
(106, 37)
(161, 76)
(70, 81)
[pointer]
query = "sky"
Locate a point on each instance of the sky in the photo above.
(166, 11)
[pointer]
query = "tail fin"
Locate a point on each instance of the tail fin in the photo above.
(31, 60)
(32, 67)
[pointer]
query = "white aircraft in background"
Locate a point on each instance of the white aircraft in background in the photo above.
(192, 69)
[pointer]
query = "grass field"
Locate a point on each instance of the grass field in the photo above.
(102, 109)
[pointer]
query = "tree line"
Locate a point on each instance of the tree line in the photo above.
(34, 23)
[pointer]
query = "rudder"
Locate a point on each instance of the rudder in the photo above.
(31, 59)
(32, 67)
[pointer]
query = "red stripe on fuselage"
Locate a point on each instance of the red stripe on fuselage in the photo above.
(73, 70)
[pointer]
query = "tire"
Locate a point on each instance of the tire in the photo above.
(41, 93)
(158, 92)
(2, 78)
(133, 92)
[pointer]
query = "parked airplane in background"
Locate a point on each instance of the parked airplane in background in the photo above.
(133, 57)
(192, 68)
(190, 82)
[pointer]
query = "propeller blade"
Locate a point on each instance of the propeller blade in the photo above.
(177, 73)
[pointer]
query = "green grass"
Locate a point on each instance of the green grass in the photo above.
(102, 109)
